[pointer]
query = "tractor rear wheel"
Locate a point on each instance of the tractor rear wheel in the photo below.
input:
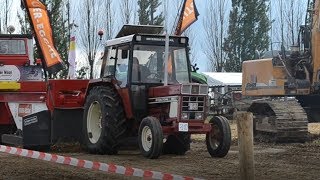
(218, 140)
(104, 121)
(177, 144)
(150, 138)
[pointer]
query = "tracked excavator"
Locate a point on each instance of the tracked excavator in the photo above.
(287, 86)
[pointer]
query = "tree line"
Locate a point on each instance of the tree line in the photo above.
(234, 30)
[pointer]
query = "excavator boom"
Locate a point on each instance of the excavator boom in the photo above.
(284, 83)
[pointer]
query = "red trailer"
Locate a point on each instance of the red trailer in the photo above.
(24, 91)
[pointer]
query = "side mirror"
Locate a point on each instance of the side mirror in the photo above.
(124, 54)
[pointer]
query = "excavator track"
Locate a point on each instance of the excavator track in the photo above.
(280, 120)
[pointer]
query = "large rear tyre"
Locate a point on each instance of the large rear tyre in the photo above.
(218, 140)
(177, 144)
(150, 138)
(103, 121)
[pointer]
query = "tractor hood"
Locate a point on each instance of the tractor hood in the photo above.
(179, 89)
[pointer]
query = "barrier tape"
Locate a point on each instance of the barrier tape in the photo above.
(109, 168)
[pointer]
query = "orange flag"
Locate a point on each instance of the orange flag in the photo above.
(189, 14)
(41, 26)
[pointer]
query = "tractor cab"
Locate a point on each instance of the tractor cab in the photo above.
(138, 59)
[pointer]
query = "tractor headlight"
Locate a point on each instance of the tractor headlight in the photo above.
(138, 38)
(184, 116)
(199, 116)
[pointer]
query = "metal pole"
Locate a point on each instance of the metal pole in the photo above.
(166, 51)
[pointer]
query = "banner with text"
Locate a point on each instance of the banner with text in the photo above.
(189, 14)
(42, 28)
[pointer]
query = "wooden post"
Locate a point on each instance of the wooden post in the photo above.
(245, 143)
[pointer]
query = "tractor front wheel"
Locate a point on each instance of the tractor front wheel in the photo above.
(218, 140)
(150, 138)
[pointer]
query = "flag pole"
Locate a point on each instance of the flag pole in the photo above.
(166, 51)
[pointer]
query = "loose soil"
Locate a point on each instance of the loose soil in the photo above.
(272, 161)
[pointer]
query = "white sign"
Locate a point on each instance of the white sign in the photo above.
(193, 106)
(19, 110)
(183, 127)
(9, 73)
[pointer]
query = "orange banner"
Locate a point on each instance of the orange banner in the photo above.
(189, 14)
(42, 28)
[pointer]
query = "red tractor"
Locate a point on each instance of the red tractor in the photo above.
(131, 99)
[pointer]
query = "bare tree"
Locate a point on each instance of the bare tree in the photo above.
(110, 22)
(190, 33)
(290, 15)
(127, 11)
(215, 32)
(93, 16)
(5, 14)
(173, 17)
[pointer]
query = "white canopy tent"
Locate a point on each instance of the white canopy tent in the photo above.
(223, 78)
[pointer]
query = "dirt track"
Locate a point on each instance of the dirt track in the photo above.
(293, 161)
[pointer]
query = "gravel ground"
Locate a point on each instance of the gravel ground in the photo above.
(272, 161)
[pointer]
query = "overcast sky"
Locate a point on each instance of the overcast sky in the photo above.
(197, 27)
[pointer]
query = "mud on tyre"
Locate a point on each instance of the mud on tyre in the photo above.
(104, 121)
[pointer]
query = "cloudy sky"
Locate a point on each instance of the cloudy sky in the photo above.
(197, 27)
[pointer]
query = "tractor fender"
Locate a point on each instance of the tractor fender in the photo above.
(101, 82)
(123, 93)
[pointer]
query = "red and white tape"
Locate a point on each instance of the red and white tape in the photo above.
(109, 168)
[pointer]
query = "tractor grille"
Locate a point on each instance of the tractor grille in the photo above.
(193, 104)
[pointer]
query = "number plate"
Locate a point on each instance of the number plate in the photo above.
(183, 127)
(193, 106)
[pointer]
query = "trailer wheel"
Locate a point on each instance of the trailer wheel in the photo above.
(150, 138)
(177, 144)
(218, 140)
(103, 121)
